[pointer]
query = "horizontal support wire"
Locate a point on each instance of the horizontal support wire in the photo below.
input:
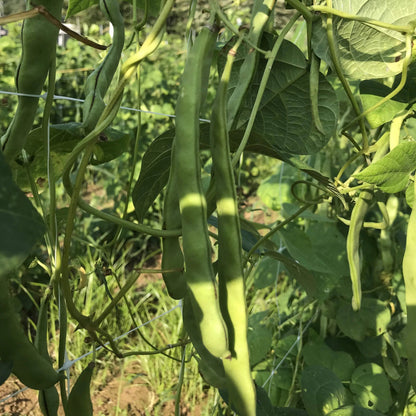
(63, 97)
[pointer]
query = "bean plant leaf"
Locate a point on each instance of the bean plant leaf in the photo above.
(322, 391)
(77, 6)
(21, 225)
(371, 92)
(339, 362)
(391, 173)
(259, 338)
(284, 118)
(310, 251)
(353, 410)
(5, 370)
(371, 320)
(364, 51)
(289, 411)
(278, 383)
(63, 138)
(370, 387)
(301, 274)
(154, 173)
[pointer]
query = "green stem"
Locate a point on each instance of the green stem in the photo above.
(180, 383)
(300, 7)
(267, 236)
(340, 74)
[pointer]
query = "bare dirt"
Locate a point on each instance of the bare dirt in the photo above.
(118, 396)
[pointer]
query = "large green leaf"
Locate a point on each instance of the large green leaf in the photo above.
(371, 319)
(322, 391)
(63, 139)
(391, 173)
(318, 353)
(367, 52)
(21, 225)
(285, 117)
(321, 248)
(370, 387)
(76, 6)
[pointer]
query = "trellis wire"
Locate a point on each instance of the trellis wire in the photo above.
(79, 100)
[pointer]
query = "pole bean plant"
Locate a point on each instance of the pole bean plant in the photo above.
(329, 98)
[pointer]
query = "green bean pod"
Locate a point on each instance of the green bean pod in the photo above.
(409, 275)
(172, 256)
(79, 399)
(240, 384)
(196, 245)
(49, 398)
(99, 81)
(353, 244)
(29, 365)
(210, 367)
(39, 37)
(356, 223)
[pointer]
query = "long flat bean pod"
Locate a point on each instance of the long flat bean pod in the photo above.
(409, 275)
(172, 256)
(29, 365)
(39, 38)
(230, 270)
(99, 81)
(197, 249)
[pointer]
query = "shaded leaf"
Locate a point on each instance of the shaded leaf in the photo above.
(371, 319)
(21, 225)
(5, 370)
(285, 117)
(353, 410)
(76, 6)
(322, 391)
(370, 387)
(339, 362)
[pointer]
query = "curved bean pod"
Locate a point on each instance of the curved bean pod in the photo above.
(29, 366)
(197, 248)
(172, 256)
(39, 38)
(240, 385)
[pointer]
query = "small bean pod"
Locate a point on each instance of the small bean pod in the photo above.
(39, 38)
